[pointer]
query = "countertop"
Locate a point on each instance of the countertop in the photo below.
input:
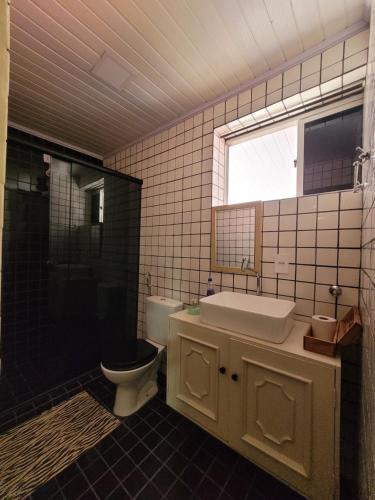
(292, 345)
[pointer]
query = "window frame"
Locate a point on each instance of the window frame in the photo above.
(300, 121)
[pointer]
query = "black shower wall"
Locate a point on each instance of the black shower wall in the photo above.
(69, 282)
(24, 304)
(120, 249)
(69, 211)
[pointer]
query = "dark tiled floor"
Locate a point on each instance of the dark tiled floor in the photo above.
(24, 380)
(154, 454)
(15, 415)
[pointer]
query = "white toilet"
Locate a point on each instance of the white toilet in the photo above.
(133, 365)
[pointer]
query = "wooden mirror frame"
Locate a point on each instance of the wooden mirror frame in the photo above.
(258, 239)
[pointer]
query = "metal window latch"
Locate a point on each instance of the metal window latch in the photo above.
(363, 156)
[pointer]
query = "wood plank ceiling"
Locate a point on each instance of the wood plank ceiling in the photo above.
(179, 53)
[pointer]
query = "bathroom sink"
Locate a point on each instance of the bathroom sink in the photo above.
(261, 317)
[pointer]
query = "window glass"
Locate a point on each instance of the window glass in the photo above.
(263, 168)
(97, 203)
(329, 151)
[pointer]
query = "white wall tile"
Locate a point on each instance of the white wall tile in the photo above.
(271, 207)
(327, 238)
(307, 204)
(306, 256)
(348, 277)
(286, 288)
(305, 273)
(270, 223)
(288, 206)
(306, 221)
(305, 290)
(328, 220)
(350, 238)
(326, 275)
(349, 258)
(270, 239)
(326, 257)
(350, 219)
(350, 200)
(306, 238)
(328, 202)
(287, 222)
(287, 238)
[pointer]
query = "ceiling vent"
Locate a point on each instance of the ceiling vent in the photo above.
(110, 72)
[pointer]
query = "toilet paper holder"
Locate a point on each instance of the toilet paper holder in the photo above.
(348, 331)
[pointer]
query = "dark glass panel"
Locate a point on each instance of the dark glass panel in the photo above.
(330, 150)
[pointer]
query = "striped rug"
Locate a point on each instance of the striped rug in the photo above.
(35, 451)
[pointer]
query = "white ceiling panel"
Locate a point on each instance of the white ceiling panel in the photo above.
(179, 54)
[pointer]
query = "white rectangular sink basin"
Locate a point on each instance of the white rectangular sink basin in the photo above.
(260, 317)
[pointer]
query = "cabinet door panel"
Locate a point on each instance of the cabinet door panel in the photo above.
(195, 384)
(197, 379)
(282, 416)
(277, 414)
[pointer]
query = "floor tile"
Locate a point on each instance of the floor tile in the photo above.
(154, 454)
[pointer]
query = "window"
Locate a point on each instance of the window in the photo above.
(97, 203)
(329, 151)
(263, 168)
(310, 154)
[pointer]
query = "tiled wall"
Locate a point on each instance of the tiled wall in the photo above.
(181, 169)
(183, 174)
(330, 71)
(24, 294)
(69, 210)
(321, 236)
(176, 226)
(367, 428)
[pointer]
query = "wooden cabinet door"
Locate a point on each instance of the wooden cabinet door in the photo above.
(195, 383)
(282, 416)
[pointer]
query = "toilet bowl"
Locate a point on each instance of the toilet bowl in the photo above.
(133, 365)
(134, 387)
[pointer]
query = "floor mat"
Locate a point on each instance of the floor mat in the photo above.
(35, 451)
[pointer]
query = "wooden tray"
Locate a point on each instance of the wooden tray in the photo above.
(348, 331)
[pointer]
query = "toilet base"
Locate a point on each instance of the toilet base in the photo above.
(128, 400)
(134, 387)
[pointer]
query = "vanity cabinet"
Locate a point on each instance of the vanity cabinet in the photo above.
(275, 404)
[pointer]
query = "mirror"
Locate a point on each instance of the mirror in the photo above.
(236, 238)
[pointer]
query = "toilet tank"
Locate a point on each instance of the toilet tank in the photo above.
(157, 311)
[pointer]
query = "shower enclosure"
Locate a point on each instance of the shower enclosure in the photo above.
(70, 268)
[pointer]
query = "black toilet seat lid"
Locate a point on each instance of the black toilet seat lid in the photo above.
(126, 355)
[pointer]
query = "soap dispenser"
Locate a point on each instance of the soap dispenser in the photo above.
(210, 287)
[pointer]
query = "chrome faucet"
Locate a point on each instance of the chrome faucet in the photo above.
(244, 264)
(148, 282)
(259, 284)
